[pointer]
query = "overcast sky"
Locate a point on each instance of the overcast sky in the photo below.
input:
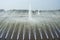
(35, 4)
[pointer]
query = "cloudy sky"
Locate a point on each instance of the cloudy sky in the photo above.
(35, 4)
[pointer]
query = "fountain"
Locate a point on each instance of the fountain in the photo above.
(29, 14)
(16, 27)
(38, 12)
